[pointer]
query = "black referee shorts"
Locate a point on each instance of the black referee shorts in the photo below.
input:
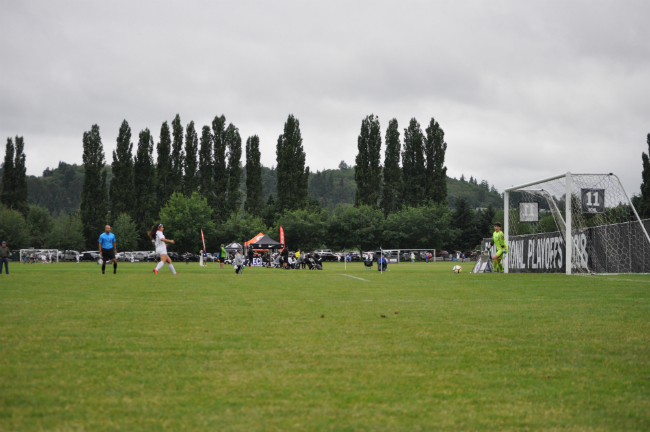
(108, 254)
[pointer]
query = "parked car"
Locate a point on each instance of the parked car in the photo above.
(124, 256)
(89, 256)
(141, 255)
(69, 255)
(442, 254)
(174, 256)
(355, 256)
(325, 254)
(190, 257)
(212, 257)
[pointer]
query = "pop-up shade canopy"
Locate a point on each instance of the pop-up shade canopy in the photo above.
(262, 241)
(254, 239)
(233, 247)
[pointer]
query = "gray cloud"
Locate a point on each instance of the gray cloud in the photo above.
(522, 89)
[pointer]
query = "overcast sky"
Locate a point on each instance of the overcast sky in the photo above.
(522, 89)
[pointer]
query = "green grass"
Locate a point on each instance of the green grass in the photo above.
(301, 350)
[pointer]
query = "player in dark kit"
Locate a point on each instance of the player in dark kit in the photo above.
(108, 248)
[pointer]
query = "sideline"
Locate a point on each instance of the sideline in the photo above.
(354, 277)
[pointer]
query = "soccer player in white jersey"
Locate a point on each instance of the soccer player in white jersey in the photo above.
(159, 240)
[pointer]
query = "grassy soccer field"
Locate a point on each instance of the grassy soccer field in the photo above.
(417, 348)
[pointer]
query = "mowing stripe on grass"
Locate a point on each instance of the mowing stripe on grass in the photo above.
(619, 279)
(354, 277)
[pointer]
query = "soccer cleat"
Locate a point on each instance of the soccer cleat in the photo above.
(155, 271)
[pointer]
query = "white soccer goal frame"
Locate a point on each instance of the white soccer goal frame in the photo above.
(568, 217)
(23, 252)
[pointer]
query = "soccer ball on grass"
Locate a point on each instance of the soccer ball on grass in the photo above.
(458, 269)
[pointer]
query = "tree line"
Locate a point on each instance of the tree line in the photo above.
(422, 177)
(208, 165)
(199, 182)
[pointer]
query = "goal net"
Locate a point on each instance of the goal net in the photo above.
(592, 211)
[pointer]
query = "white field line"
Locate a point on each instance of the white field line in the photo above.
(354, 277)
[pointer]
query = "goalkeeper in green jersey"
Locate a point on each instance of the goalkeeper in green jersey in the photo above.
(499, 240)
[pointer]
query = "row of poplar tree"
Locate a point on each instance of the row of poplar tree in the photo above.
(422, 177)
(208, 165)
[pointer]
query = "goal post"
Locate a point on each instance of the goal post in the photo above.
(574, 223)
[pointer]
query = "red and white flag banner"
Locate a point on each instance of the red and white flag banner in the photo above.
(282, 238)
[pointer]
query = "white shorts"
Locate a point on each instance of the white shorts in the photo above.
(161, 250)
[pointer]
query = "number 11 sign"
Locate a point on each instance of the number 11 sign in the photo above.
(593, 200)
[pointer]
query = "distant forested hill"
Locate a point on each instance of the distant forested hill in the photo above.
(477, 194)
(336, 186)
(333, 187)
(330, 187)
(59, 189)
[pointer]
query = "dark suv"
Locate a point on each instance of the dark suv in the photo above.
(89, 256)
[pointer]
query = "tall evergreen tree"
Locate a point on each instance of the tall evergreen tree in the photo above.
(644, 200)
(391, 193)
(122, 190)
(464, 220)
(94, 201)
(367, 171)
(15, 191)
(191, 179)
(21, 192)
(234, 169)
(292, 175)
(254, 204)
(178, 156)
(206, 163)
(644, 203)
(217, 200)
(6, 195)
(413, 187)
(144, 203)
(164, 169)
(436, 171)
(270, 211)
(484, 225)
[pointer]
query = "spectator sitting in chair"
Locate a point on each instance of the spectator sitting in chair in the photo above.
(382, 263)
